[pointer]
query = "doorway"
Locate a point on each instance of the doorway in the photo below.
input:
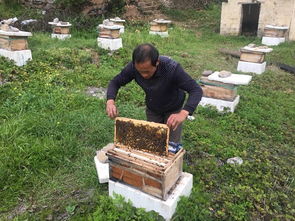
(250, 19)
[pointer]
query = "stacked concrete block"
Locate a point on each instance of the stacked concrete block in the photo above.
(14, 43)
(159, 27)
(252, 59)
(60, 30)
(109, 36)
(166, 208)
(220, 90)
(274, 35)
(120, 22)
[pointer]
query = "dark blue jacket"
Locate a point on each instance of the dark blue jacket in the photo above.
(164, 90)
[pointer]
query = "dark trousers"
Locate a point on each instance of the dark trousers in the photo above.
(175, 136)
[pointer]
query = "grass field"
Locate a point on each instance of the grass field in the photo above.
(50, 129)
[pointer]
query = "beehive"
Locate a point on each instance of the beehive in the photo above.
(275, 32)
(60, 27)
(61, 30)
(252, 56)
(14, 41)
(158, 27)
(118, 21)
(111, 32)
(141, 158)
(218, 90)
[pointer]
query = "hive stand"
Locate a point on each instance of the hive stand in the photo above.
(140, 199)
(14, 46)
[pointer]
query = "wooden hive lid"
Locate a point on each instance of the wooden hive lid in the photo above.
(141, 135)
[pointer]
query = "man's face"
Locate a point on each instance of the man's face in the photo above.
(146, 69)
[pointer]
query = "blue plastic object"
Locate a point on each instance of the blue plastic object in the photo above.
(174, 147)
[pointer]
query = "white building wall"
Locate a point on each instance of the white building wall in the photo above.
(272, 12)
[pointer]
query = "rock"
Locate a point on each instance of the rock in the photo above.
(191, 118)
(207, 73)
(56, 20)
(224, 74)
(108, 147)
(101, 154)
(235, 160)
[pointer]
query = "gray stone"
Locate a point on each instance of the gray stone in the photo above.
(224, 74)
(235, 160)
(207, 73)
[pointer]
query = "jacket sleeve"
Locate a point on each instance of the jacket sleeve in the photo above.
(123, 78)
(186, 83)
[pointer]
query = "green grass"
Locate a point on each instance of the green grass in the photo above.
(50, 130)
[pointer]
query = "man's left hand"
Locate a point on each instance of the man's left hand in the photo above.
(175, 120)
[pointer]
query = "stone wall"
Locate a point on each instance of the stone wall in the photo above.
(272, 12)
(98, 7)
(42, 4)
(95, 7)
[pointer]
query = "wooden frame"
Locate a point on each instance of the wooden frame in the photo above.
(218, 90)
(144, 171)
(158, 27)
(61, 30)
(252, 56)
(13, 43)
(275, 33)
(109, 33)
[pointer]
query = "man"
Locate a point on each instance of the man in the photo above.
(164, 82)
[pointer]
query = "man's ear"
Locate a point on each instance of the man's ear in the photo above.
(158, 62)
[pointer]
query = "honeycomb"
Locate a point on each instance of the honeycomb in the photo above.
(142, 135)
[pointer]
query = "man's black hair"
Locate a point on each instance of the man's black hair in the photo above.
(145, 52)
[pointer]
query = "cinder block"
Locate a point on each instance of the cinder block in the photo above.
(221, 105)
(271, 41)
(102, 171)
(140, 199)
(19, 57)
(162, 34)
(110, 44)
(61, 36)
(249, 67)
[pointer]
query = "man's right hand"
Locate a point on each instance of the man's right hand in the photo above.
(111, 109)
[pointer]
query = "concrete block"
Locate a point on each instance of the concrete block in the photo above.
(110, 44)
(19, 57)
(249, 67)
(140, 199)
(61, 36)
(162, 34)
(221, 105)
(102, 171)
(270, 41)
